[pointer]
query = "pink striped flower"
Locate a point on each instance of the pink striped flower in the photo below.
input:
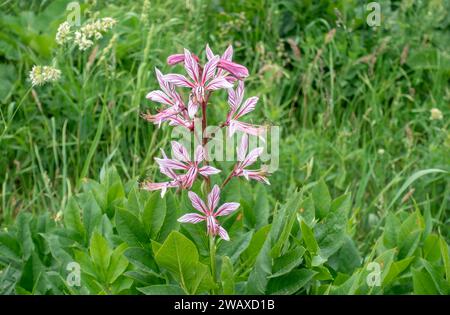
(182, 161)
(209, 212)
(178, 58)
(201, 80)
(167, 95)
(236, 71)
(174, 110)
(150, 186)
(237, 110)
(247, 160)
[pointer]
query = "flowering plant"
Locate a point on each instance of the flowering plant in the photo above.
(219, 72)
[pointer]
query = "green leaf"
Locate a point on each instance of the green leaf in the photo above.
(431, 248)
(323, 273)
(31, 274)
(180, 256)
(396, 269)
(141, 258)
(309, 239)
(322, 199)
(118, 263)
(445, 257)
(72, 218)
(10, 249)
(170, 220)
(262, 208)
(258, 278)
(92, 213)
(283, 238)
(391, 230)
(100, 253)
(122, 285)
(24, 234)
(291, 282)
(86, 263)
(134, 204)
(330, 233)
(162, 289)
(154, 214)
(347, 258)
(57, 250)
(436, 274)
(422, 282)
(288, 261)
(236, 246)
(256, 243)
(307, 211)
(155, 247)
(227, 275)
(130, 228)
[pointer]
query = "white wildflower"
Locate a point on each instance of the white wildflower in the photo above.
(82, 41)
(107, 23)
(63, 34)
(40, 75)
(93, 30)
(436, 114)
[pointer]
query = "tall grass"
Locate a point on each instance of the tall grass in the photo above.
(353, 101)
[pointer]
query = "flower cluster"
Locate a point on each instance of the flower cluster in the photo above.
(84, 37)
(219, 72)
(436, 114)
(40, 75)
(63, 34)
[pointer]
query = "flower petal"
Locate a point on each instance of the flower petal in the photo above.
(218, 83)
(189, 177)
(160, 97)
(213, 197)
(178, 80)
(199, 154)
(208, 170)
(250, 129)
(158, 186)
(180, 152)
(171, 163)
(191, 218)
(197, 203)
(232, 101)
(212, 226)
(228, 53)
(209, 54)
(233, 68)
(192, 108)
(252, 157)
(174, 59)
(165, 86)
(240, 93)
(258, 175)
(209, 69)
(223, 234)
(191, 65)
(247, 107)
(242, 149)
(227, 208)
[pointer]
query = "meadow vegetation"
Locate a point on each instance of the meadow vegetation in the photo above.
(364, 150)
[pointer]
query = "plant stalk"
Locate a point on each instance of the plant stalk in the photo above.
(212, 254)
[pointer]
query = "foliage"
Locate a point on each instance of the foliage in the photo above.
(363, 174)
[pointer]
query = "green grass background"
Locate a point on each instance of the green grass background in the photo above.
(353, 101)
